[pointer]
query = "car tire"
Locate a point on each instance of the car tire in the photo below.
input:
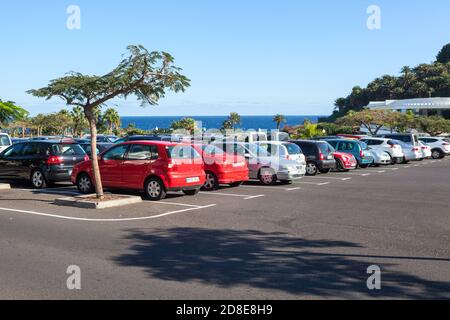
(311, 169)
(339, 166)
(363, 166)
(325, 171)
(268, 177)
(236, 184)
(84, 184)
(38, 180)
(154, 189)
(191, 193)
(437, 154)
(405, 161)
(211, 183)
(286, 182)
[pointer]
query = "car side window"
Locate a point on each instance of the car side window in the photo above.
(143, 152)
(117, 153)
(14, 151)
(30, 149)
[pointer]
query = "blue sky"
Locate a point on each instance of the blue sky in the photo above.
(251, 56)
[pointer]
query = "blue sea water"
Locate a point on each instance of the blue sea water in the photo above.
(215, 122)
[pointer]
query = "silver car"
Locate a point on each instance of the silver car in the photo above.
(266, 168)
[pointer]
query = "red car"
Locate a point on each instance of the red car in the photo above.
(345, 161)
(155, 167)
(222, 167)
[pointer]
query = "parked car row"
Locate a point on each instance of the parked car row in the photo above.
(156, 166)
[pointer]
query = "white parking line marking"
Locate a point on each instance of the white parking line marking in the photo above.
(104, 220)
(313, 183)
(177, 204)
(254, 197)
(331, 178)
(265, 187)
(293, 189)
(246, 196)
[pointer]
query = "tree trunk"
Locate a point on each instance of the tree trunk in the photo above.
(95, 167)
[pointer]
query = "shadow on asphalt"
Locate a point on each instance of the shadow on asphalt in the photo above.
(272, 261)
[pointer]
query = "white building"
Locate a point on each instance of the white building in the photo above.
(422, 105)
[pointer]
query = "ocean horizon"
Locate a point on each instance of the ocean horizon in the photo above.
(215, 122)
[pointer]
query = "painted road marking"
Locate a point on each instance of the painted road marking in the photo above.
(245, 196)
(293, 189)
(266, 187)
(104, 220)
(332, 178)
(313, 183)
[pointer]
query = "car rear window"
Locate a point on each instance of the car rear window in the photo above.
(65, 149)
(324, 148)
(182, 152)
(292, 148)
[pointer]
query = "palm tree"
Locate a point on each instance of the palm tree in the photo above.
(79, 121)
(279, 119)
(10, 112)
(234, 119)
(112, 118)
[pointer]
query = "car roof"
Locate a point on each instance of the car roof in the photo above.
(376, 138)
(155, 142)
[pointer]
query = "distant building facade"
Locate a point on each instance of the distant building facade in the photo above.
(421, 105)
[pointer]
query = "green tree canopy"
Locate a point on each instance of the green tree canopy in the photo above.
(187, 124)
(444, 55)
(10, 112)
(112, 119)
(372, 120)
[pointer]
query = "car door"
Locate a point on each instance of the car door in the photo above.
(11, 162)
(111, 166)
(137, 164)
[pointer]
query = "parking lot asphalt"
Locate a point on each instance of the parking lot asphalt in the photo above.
(312, 239)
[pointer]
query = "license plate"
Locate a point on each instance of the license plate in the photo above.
(192, 180)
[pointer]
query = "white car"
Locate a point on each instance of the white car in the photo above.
(426, 150)
(380, 157)
(5, 141)
(440, 147)
(287, 150)
(386, 145)
(411, 153)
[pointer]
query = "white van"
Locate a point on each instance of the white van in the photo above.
(5, 141)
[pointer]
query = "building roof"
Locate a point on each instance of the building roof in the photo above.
(421, 103)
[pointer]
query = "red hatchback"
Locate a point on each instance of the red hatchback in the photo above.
(222, 167)
(155, 167)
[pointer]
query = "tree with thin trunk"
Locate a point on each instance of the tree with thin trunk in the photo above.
(279, 119)
(234, 119)
(146, 75)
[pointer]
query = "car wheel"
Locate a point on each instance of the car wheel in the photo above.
(191, 192)
(325, 171)
(38, 179)
(363, 166)
(404, 161)
(236, 184)
(311, 169)
(211, 183)
(267, 177)
(154, 189)
(84, 184)
(436, 154)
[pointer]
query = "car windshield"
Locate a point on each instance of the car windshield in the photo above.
(212, 150)
(182, 152)
(62, 149)
(4, 141)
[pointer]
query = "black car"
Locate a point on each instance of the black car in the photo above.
(41, 162)
(101, 147)
(319, 156)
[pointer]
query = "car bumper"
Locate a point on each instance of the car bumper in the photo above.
(58, 174)
(232, 176)
(185, 188)
(287, 175)
(327, 164)
(179, 182)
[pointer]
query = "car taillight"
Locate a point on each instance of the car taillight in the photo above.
(86, 158)
(321, 156)
(55, 160)
(415, 149)
(361, 154)
(446, 144)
